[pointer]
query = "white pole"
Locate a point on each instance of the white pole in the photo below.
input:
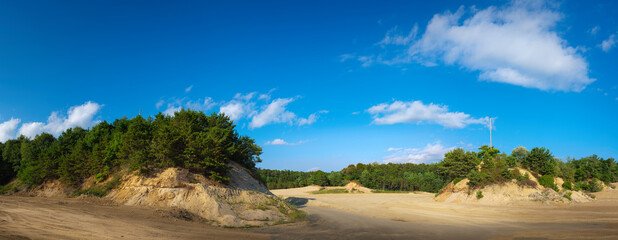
(490, 145)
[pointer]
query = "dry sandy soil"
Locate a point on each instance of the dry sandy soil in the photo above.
(331, 216)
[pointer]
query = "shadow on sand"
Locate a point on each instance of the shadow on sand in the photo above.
(297, 201)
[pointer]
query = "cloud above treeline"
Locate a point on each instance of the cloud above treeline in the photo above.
(417, 112)
(515, 44)
(282, 142)
(430, 153)
(259, 109)
(77, 116)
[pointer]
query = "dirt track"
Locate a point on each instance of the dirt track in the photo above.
(331, 216)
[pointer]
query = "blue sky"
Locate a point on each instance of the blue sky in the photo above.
(323, 84)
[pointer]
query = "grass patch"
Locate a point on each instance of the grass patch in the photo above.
(567, 195)
(8, 188)
(261, 206)
(330, 191)
(100, 191)
(389, 191)
(479, 195)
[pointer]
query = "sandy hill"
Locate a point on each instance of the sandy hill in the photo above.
(243, 202)
(508, 193)
(356, 187)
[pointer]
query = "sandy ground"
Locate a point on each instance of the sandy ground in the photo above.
(331, 216)
(409, 215)
(42, 218)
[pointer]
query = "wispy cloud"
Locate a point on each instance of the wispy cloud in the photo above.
(175, 105)
(258, 108)
(417, 112)
(514, 44)
(594, 30)
(393, 37)
(313, 169)
(188, 89)
(609, 43)
(282, 142)
(430, 153)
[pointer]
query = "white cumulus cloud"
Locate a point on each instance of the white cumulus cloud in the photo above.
(430, 153)
(515, 44)
(417, 112)
(77, 116)
(276, 112)
(7, 129)
(31, 129)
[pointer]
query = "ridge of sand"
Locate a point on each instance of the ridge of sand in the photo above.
(509, 193)
(243, 202)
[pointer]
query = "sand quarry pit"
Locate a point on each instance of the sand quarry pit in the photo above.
(331, 216)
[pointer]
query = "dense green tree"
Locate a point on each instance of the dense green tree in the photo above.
(6, 168)
(458, 163)
(189, 139)
(540, 160)
(12, 152)
(135, 144)
(520, 153)
(31, 169)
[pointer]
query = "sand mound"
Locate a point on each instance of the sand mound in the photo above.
(507, 193)
(53, 188)
(356, 187)
(245, 202)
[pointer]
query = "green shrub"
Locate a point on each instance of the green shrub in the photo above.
(456, 180)
(329, 191)
(594, 186)
(100, 191)
(521, 178)
(479, 195)
(477, 179)
(100, 177)
(567, 185)
(567, 195)
(506, 174)
(515, 173)
(547, 181)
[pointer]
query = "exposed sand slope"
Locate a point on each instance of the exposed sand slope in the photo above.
(508, 193)
(246, 202)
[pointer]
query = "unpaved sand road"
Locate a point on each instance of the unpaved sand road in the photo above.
(41, 218)
(331, 216)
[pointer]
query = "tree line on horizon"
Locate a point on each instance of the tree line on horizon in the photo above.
(201, 143)
(487, 166)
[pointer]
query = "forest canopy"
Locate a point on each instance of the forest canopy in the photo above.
(201, 143)
(487, 166)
